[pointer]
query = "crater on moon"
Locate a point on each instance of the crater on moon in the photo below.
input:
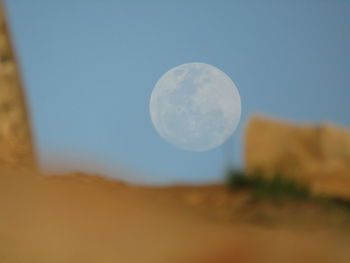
(195, 107)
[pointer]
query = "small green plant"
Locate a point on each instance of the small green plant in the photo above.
(277, 188)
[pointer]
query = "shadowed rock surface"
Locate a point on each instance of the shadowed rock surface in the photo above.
(319, 154)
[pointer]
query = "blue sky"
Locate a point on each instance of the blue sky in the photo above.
(90, 67)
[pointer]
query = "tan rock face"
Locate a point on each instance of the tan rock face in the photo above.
(319, 155)
(15, 136)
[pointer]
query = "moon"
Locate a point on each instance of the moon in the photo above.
(195, 107)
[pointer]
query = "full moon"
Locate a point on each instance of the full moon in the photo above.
(195, 107)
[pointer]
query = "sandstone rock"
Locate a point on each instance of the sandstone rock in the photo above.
(15, 136)
(318, 154)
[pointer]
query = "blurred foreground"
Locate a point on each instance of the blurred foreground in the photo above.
(84, 218)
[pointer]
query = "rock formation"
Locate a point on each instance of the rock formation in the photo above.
(15, 136)
(318, 154)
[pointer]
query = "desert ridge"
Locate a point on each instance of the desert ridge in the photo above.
(83, 218)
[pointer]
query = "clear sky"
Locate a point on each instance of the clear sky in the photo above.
(90, 66)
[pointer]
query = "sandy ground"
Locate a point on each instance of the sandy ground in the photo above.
(79, 218)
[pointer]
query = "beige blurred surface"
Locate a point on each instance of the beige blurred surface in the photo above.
(81, 218)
